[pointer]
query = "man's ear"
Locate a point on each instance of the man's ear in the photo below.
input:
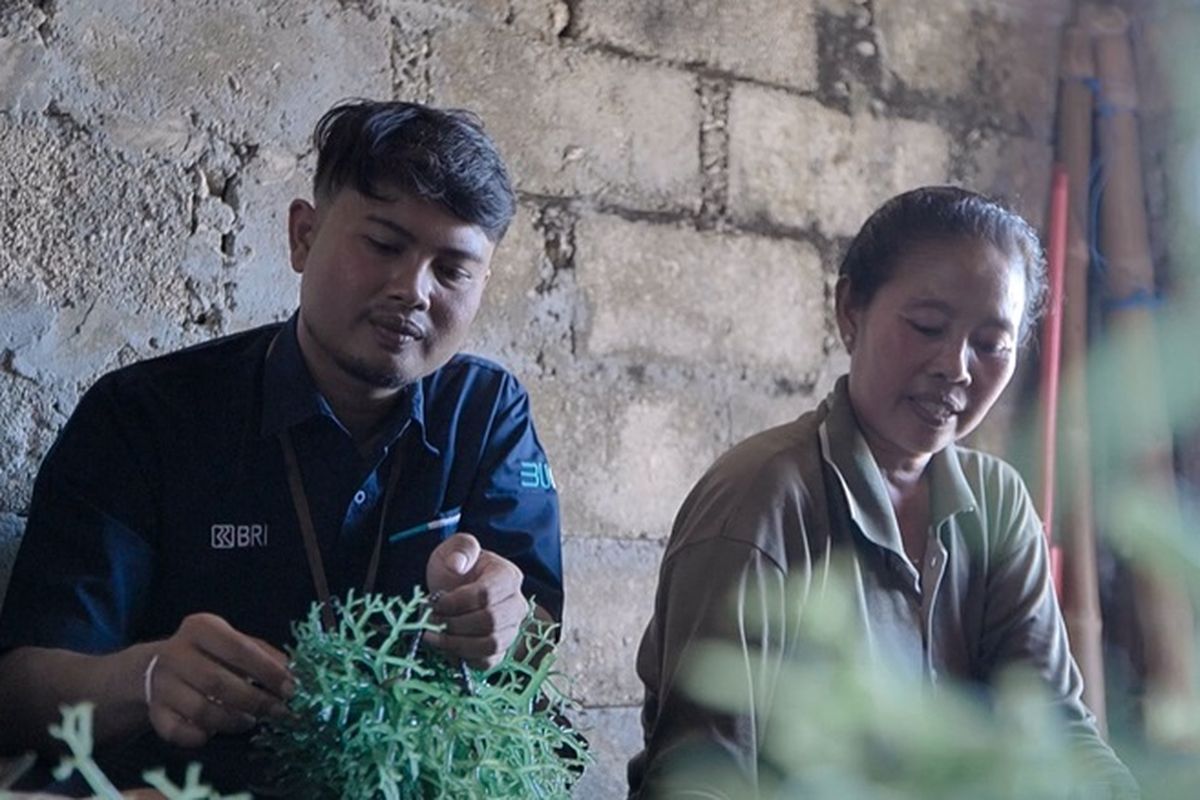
(847, 313)
(302, 227)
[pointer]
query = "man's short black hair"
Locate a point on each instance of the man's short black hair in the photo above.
(440, 155)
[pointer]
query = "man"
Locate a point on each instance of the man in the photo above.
(196, 504)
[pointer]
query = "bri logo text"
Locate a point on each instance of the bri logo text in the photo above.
(230, 537)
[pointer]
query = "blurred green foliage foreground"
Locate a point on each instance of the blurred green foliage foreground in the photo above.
(842, 724)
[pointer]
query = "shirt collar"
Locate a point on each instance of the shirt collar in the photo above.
(950, 493)
(290, 396)
(846, 451)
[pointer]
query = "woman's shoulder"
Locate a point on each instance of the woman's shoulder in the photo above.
(986, 469)
(1002, 500)
(759, 492)
(772, 462)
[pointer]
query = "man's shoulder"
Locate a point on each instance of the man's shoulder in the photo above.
(473, 376)
(197, 400)
(472, 365)
(223, 368)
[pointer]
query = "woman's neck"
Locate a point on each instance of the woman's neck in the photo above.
(906, 482)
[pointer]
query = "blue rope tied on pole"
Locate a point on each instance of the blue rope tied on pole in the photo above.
(1139, 298)
(1097, 182)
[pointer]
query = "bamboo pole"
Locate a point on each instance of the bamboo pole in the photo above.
(1051, 356)
(1163, 611)
(1075, 525)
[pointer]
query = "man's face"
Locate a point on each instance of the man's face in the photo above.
(934, 348)
(388, 288)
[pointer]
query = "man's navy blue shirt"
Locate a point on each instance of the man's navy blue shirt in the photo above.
(166, 495)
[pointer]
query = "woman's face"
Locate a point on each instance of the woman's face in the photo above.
(934, 347)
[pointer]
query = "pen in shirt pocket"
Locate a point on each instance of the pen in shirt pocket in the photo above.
(445, 523)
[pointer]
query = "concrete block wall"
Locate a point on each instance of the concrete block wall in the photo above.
(688, 173)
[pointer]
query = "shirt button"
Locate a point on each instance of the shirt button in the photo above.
(359, 497)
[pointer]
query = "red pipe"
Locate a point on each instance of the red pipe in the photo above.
(1056, 256)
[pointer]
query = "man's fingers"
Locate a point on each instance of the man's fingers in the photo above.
(451, 562)
(236, 693)
(208, 714)
(480, 652)
(485, 617)
(205, 701)
(241, 654)
(471, 598)
(247, 659)
(209, 678)
(178, 675)
(175, 729)
(494, 580)
(461, 551)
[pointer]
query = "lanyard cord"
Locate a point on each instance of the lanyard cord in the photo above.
(312, 549)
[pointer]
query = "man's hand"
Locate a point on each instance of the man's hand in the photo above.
(208, 678)
(479, 601)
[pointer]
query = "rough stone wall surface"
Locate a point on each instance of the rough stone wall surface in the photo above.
(688, 173)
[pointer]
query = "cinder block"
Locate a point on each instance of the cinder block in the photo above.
(1014, 169)
(667, 291)
(762, 39)
(835, 367)
(24, 73)
(1002, 55)
(107, 274)
(11, 529)
(756, 408)
(625, 453)
(30, 418)
(573, 122)
(547, 18)
(260, 284)
(506, 328)
(754, 411)
(252, 71)
(610, 587)
(1019, 57)
(20, 19)
(614, 735)
(796, 163)
(928, 45)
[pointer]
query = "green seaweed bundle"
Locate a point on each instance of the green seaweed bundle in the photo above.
(375, 715)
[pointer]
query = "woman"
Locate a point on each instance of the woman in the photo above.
(950, 571)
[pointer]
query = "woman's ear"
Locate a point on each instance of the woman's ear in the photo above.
(847, 313)
(302, 226)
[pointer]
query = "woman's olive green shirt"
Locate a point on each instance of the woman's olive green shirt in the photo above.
(785, 501)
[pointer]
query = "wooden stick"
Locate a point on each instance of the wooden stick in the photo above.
(1080, 586)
